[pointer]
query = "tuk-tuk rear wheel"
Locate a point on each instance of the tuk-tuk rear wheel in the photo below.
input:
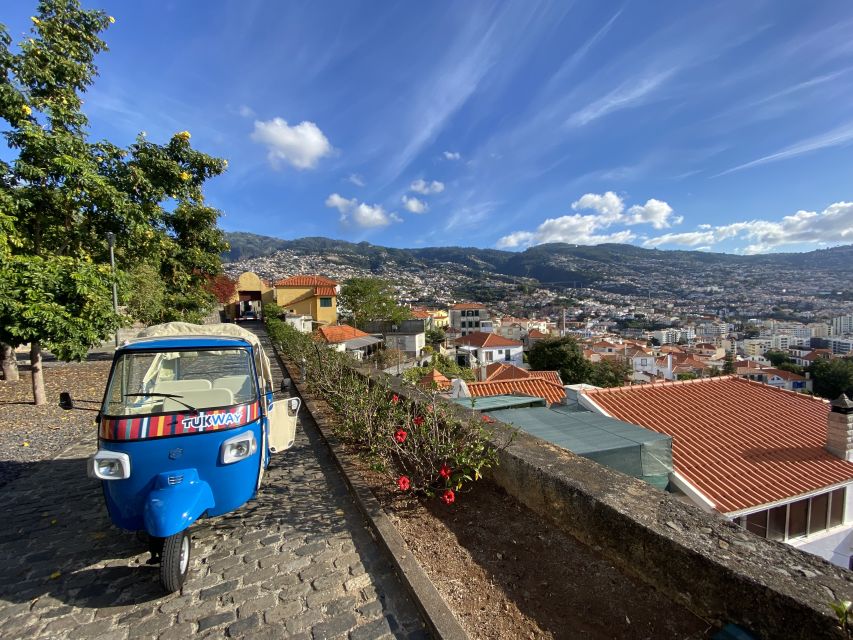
(175, 561)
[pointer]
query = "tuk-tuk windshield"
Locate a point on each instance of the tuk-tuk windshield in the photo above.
(150, 382)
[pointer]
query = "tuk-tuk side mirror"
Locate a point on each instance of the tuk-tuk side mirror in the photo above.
(65, 401)
(285, 384)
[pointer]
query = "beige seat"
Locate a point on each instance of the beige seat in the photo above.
(239, 385)
(181, 386)
(200, 400)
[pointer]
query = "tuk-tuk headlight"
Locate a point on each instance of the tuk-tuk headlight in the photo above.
(238, 448)
(109, 465)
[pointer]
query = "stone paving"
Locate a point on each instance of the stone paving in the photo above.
(296, 562)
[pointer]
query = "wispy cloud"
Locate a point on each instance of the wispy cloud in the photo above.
(837, 137)
(361, 214)
(631, 93)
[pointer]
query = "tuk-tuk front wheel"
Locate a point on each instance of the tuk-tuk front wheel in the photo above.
(175, 561)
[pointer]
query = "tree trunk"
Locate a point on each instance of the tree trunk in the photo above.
(39, 396)
(9, 363)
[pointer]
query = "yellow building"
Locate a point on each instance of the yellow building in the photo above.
(313, 296)
(250, 292)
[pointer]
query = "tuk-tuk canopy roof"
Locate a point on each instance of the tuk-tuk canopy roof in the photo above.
(189, 331)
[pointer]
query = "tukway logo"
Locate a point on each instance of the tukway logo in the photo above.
(216, 420)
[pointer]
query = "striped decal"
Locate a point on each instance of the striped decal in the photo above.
(174, 424)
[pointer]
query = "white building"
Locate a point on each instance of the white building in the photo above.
(478, 348)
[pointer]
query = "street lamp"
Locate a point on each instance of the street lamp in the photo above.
(111, 240)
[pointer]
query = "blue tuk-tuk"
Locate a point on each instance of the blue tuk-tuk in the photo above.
(186, 428)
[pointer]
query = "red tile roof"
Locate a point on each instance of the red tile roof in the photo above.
(481, 339)
(336, 333)
(306, 281)
(437, 378)
(536, 387)
(740, 443)
(468, 305)
(420, 315)
(500, 371)
(325, 291)
(535, 334)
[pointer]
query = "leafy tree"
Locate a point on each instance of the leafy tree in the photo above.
(777, 358)
(564, 355)
(833, 377)
(222, 287)
(686, 376)
(145, 293)
(729, 366)
(609, 373)
(435, 336)
(448, 367)
(61, 194)
(370, 299)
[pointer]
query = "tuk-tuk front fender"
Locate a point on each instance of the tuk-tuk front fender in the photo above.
(178, 499)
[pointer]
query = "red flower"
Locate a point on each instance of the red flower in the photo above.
(400, 436)
(418, 421)
(444, 472)
(403, 483)
(395, 398)
(488, 419)
(448, 497)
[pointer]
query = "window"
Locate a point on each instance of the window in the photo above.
(644, 362)
(507, 355)
(836, 509)
(325, 302)
(797, 518)
(757, 523)
(489, 356)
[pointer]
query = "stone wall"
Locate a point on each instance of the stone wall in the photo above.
(718, 570)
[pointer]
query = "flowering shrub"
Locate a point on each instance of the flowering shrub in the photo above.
(418, 441)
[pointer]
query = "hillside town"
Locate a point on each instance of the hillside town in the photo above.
(735, 372)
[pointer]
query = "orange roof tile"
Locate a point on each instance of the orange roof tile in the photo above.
(468, 305)
(741, 443)
(536, 387)
(306, 281)
(500, 371)
(481, 339)
(420, 315)
(437, 378)
(535, 334)
(335, 333)
(325, 291)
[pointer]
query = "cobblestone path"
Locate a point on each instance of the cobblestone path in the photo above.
(296, 562)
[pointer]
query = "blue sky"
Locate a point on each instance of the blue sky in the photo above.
(723, 126)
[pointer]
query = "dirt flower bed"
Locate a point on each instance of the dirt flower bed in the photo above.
(507, 574)
(30, 434)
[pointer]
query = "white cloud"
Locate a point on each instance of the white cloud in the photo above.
(340, 203)
(655, 212)
(427, 188)
(609, 210)
(361, 213)
(452, 155)
(609, 205)
(246, 111)
(301, 146)
(414, 205)
(833, 225)
(356, 179)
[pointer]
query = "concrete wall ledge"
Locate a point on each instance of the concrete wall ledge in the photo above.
(710, 565)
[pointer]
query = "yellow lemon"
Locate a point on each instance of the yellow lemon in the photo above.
(112, 20)
(185, 176)
(35, 20)
(26, 110)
